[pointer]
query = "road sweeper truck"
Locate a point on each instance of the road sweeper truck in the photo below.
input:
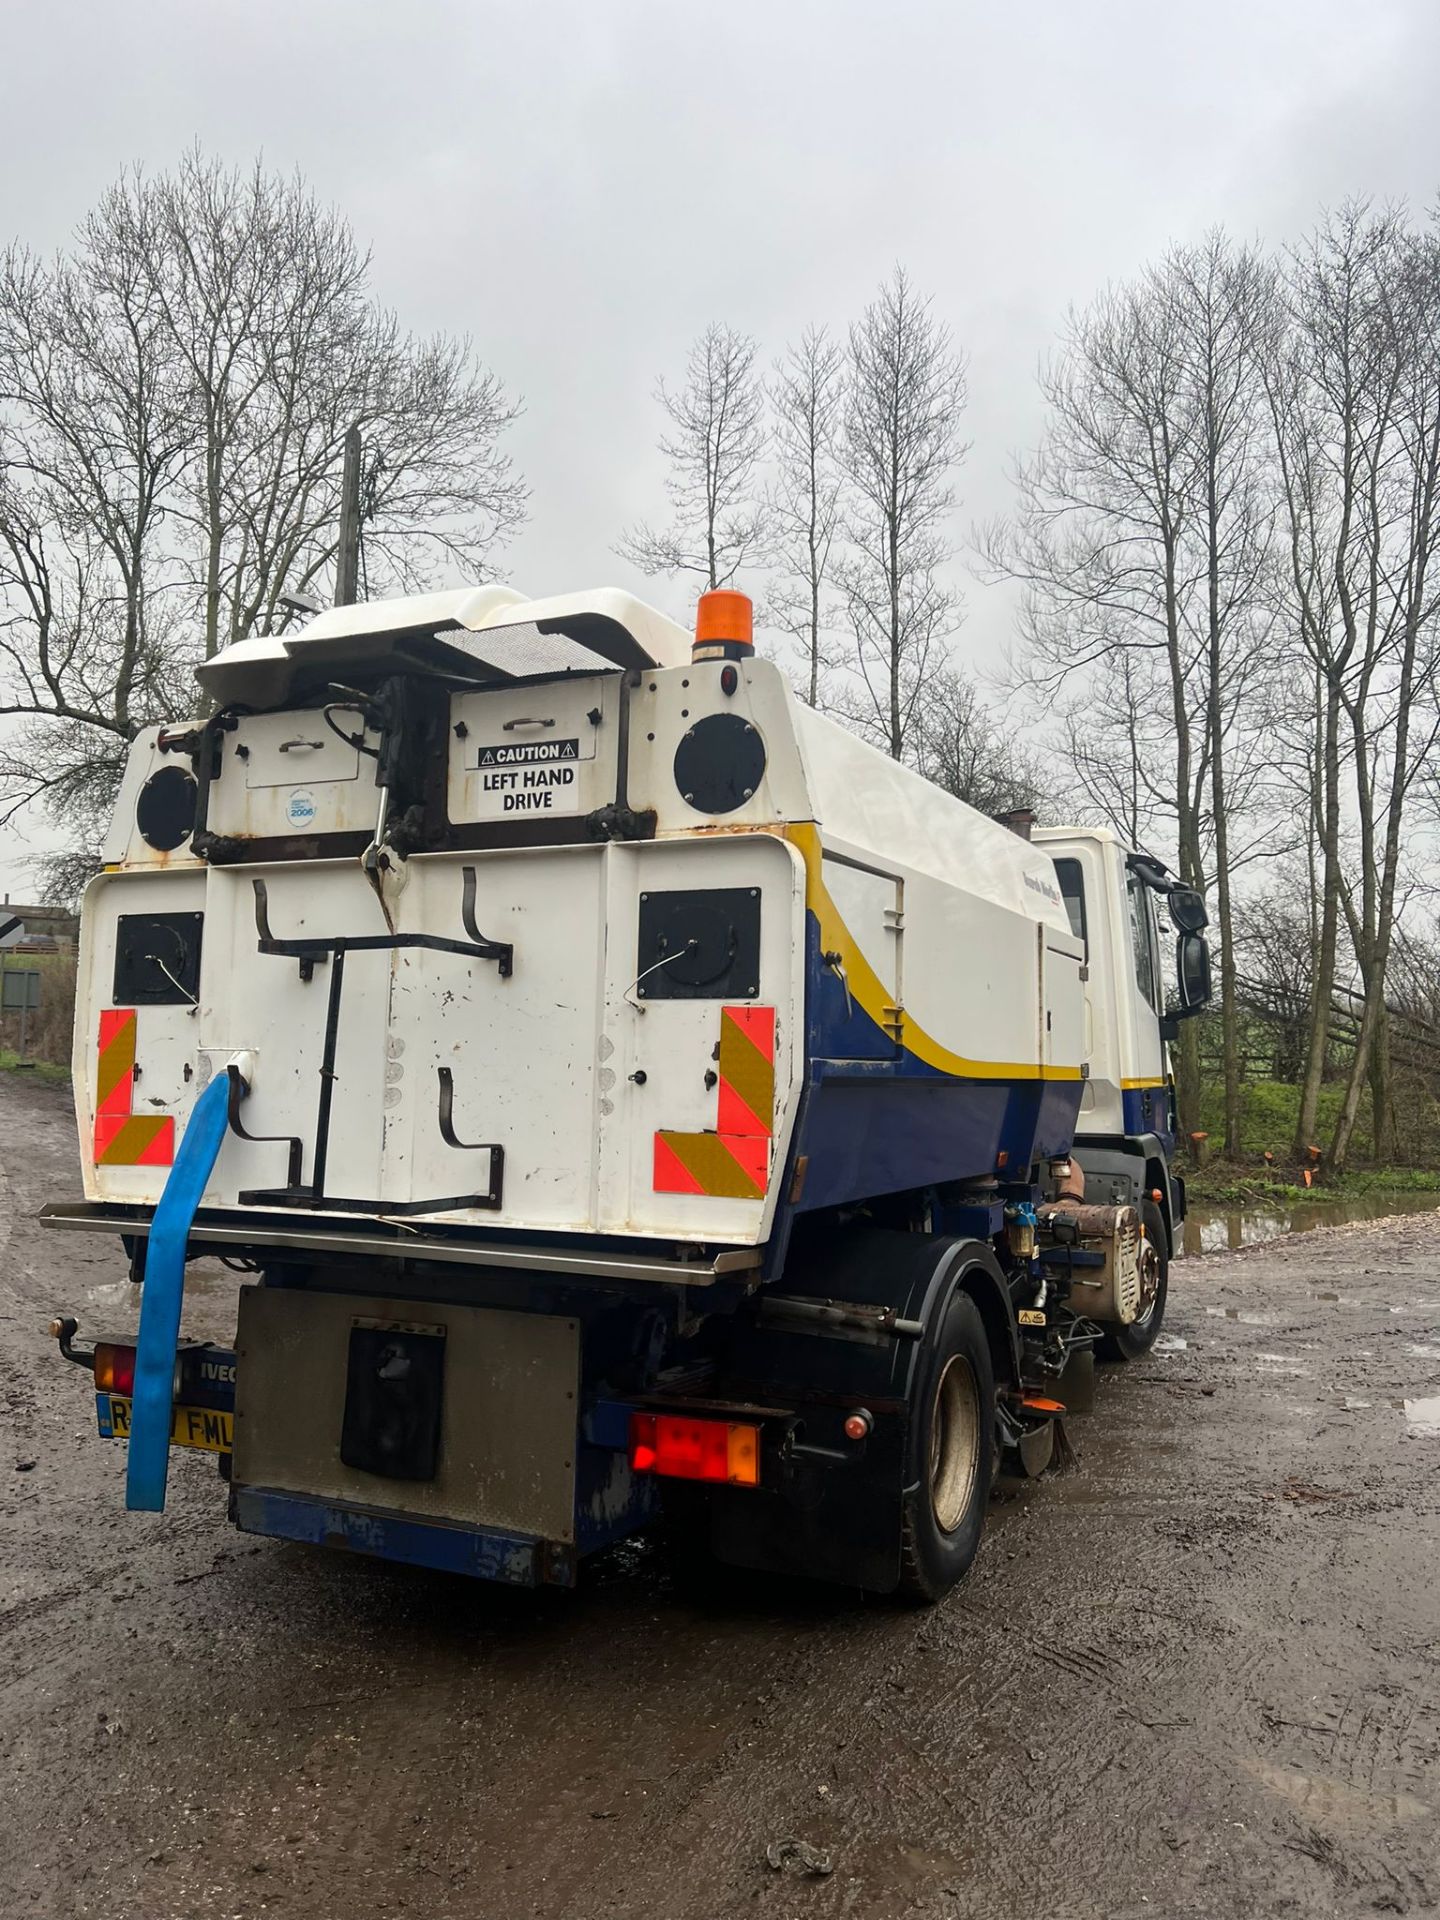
(630, 1097)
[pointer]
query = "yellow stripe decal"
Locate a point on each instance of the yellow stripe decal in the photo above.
(123, 1138)
(134, 1140)
(709, 1163)
(747, 1070)
(867, 991)
(117, 1060)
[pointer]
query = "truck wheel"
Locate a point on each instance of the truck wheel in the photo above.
(1130, 1343)
(951, 1457)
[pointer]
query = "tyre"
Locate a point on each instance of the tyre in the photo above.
(951, 1454)
(1130, 1343)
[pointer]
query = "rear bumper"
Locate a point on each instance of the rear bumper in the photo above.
(355, 1237)
(487, 1553)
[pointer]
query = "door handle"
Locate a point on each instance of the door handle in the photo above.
(836, 964)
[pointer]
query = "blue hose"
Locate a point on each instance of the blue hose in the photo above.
(150, 1411)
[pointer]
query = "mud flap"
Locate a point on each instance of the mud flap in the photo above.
(1036, 1448)
(1076, 1386)
(838, 1522)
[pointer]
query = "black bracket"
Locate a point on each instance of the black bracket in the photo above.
(499, 951)
(308, 952)
(320, 947)
(452, 1139)
(232, 1114)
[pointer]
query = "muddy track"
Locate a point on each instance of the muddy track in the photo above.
(1200, 1675)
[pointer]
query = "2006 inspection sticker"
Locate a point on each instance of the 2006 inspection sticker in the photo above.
(530, 776)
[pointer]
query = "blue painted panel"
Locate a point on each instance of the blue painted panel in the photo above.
(1058, 1117)
(973, 1222)
(607, 1424)
(611, 1502)
(876, 1120)
(884, 1131)
(839, 1027)
(483, 1553)
(888, 1133)
(1149, 1110)
(207, 1378)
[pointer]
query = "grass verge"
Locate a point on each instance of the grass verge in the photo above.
(1222, 1184)
(45, 1071)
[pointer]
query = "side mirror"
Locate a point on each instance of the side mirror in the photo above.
(1192, 972)
(1187, 910)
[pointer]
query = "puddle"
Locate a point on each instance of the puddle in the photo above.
(1422, 1418)
(1169, 1343)
(1223, 1229)
(1245, 1319)
(113, 1293)
(1337, 1801)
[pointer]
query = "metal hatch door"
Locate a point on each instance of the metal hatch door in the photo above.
(489, 1098)
(313, 1019)
(703, 1039)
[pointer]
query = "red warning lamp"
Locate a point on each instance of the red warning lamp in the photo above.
(685, 1449)
(724, 626)
(115, 1368)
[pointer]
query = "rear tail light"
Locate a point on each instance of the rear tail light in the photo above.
(727, 1451)
(115, 1368)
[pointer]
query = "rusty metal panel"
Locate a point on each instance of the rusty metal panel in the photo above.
(508, 1423)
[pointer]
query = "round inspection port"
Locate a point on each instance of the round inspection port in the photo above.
(165, 811)
(720, 763)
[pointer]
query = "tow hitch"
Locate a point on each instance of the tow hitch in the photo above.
(202, 1412)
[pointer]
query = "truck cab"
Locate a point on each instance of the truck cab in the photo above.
(1140, 979)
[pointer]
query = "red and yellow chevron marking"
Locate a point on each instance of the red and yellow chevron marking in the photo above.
(123, 1138)
(747, 1070)
(732, 1163)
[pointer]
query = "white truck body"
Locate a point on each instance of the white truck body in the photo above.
(950, 935)
(632, 1093)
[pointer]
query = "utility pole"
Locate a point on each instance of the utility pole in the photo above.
(347, 560)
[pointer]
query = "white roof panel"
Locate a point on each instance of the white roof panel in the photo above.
(493, 632)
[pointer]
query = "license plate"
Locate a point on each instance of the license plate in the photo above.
(204, 1427)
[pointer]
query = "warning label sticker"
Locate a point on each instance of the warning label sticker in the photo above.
(527, 753)
(531, 776)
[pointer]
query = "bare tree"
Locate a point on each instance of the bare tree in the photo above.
(714, 444)
(1355, 393)
(1118, 750)
(901, 447)
(967, 748)
(1140, 543)
(264, 296)
(174, 397)
(1224, 303)
(94, 441)
(1097, 538)
(807, 395)
(1275, 957)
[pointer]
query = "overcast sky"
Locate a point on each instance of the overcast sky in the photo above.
(583, 187)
